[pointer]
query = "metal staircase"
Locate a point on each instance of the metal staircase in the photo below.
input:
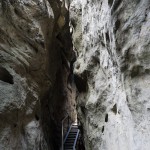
(71, 137)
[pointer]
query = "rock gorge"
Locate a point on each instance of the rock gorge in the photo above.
(111, 94)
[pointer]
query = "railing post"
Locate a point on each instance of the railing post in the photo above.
(68, 122)
(62, 132)
(62, 142)
(75, 142)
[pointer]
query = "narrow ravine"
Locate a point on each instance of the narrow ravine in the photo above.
(88, 60)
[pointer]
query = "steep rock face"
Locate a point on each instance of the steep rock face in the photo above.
(35, 49)
(112, 39)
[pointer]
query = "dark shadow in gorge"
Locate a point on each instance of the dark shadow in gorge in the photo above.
(55, 102)
(80, 143)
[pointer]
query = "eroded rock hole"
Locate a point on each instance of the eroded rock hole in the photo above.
(95, 60)
(83, 109)
(136, 70)
(18, 12)
(103, 129)
(73, 22)
(148, 109)
(107, 37)
(81, 83)
(110, 2)
(5, 76)
(106, 118)
(114, 109)
(117, 25)
(37, 117)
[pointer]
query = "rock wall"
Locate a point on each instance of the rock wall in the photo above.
(35, 50)
(112, 39)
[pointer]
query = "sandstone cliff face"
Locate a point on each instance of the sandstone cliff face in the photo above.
(112, 39)
(35, 48)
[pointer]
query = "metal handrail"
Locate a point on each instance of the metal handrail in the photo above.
(74, 145)
(62, 128)
(67, 134)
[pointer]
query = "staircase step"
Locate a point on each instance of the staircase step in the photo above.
(71, 137)
(68, 146)
(74, 130)
(72, 134)
(69, 143)
(74, 127)
(72, 140)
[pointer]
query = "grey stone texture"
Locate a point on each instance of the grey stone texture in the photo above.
(112, 39)
(35, 50)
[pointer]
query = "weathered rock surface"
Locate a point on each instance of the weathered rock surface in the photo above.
(35, 49)
(112, 39)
